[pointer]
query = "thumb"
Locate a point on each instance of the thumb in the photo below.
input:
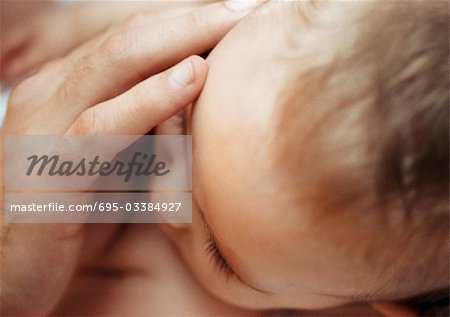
(147, 104)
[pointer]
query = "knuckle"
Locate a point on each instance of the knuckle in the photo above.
(196, 20)
(85, 124)
(114, 49)
(71, 87)
(21, 92)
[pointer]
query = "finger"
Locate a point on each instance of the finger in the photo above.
(139, 20)
(148, 104)
(125, 58)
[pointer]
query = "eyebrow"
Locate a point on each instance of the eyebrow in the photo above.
(233, 269)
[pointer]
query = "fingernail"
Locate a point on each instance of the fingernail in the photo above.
(240, 5)
(183, 74)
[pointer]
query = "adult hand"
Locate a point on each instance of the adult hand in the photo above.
(58, 29)
(122, 82)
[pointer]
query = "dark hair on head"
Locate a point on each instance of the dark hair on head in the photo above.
(412, 109)
(411, 106)
(377, 132)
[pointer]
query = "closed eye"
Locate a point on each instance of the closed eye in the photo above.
(216, 256)
(213, 251)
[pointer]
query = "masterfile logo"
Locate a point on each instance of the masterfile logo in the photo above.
(140, 164)
(98, 179)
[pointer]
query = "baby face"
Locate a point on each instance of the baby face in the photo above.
(249, 243)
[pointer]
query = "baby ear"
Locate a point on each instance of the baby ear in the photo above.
(394, 310)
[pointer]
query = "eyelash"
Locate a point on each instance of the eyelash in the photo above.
(216, 257)
(211, 249)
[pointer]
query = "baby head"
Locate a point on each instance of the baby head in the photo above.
(320, 157)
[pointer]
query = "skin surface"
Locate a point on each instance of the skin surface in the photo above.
(53, 30)
(282, 255)
(140, 275)
(38, 260)
(111, 274)
(232, 184)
